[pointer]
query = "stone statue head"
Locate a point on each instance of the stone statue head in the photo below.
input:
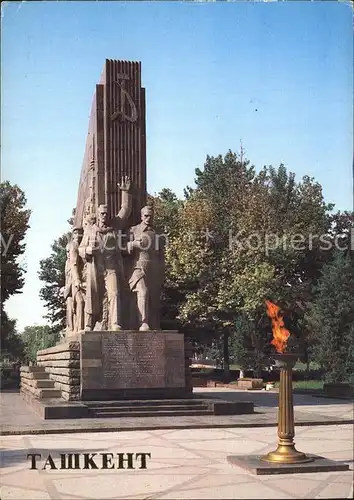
(102, 214)
(147, 214)
(91, 219)
(76, 234)
(89, 213)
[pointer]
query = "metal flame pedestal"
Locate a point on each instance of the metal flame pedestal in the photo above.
(285, 459)
(286, 452)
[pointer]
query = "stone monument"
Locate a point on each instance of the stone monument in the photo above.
(113, 347)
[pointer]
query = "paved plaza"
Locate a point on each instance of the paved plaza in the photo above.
(185, 463)
(18, 418)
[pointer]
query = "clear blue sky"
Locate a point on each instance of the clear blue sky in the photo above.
(277, 76)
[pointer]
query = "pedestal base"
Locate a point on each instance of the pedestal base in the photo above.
(286, 455)
(255, 465)
(119, 374)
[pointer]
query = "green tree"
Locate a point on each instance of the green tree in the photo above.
(330, 317)
(250, 344)
(13, 348)
(167, 210)
(341, 232)
(198, 252)
(52, 273)
(14, 225)
(229, 277)
(35, 338)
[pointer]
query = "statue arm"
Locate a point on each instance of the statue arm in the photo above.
(74, 259)
(65, 291)
(135, 243)
(126, 207)
(83, 245)
(82, 248)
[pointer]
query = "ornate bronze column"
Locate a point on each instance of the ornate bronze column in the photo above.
(286, 452)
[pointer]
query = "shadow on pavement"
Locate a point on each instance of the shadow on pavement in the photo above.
(270, 399)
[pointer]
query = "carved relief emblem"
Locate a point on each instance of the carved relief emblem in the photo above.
(125, 97)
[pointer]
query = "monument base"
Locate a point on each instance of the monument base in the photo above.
(118, 374)
(105, 365)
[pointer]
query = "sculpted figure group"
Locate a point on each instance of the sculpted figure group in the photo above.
(100, 267)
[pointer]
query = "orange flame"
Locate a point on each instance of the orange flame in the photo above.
(280, 333)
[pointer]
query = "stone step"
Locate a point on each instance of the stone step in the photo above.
(32, 369)
(150, 413)
(38, 383)
(144, 402)
(49, 393)
(41, 375)
(147, 408)
(40, 393)
(44, 384)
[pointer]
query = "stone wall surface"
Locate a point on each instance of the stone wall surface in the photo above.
(133, 363)
(124, 360)
(62, 363)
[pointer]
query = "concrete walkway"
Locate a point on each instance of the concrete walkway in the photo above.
(184, 464)
(18, 418)
(187, 461)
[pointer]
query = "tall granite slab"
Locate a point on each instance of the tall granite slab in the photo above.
(132, 365)
(116, 142)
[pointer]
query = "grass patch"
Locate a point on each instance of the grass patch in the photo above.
(306, 384)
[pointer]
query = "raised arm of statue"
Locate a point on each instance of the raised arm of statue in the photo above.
(126, 206)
